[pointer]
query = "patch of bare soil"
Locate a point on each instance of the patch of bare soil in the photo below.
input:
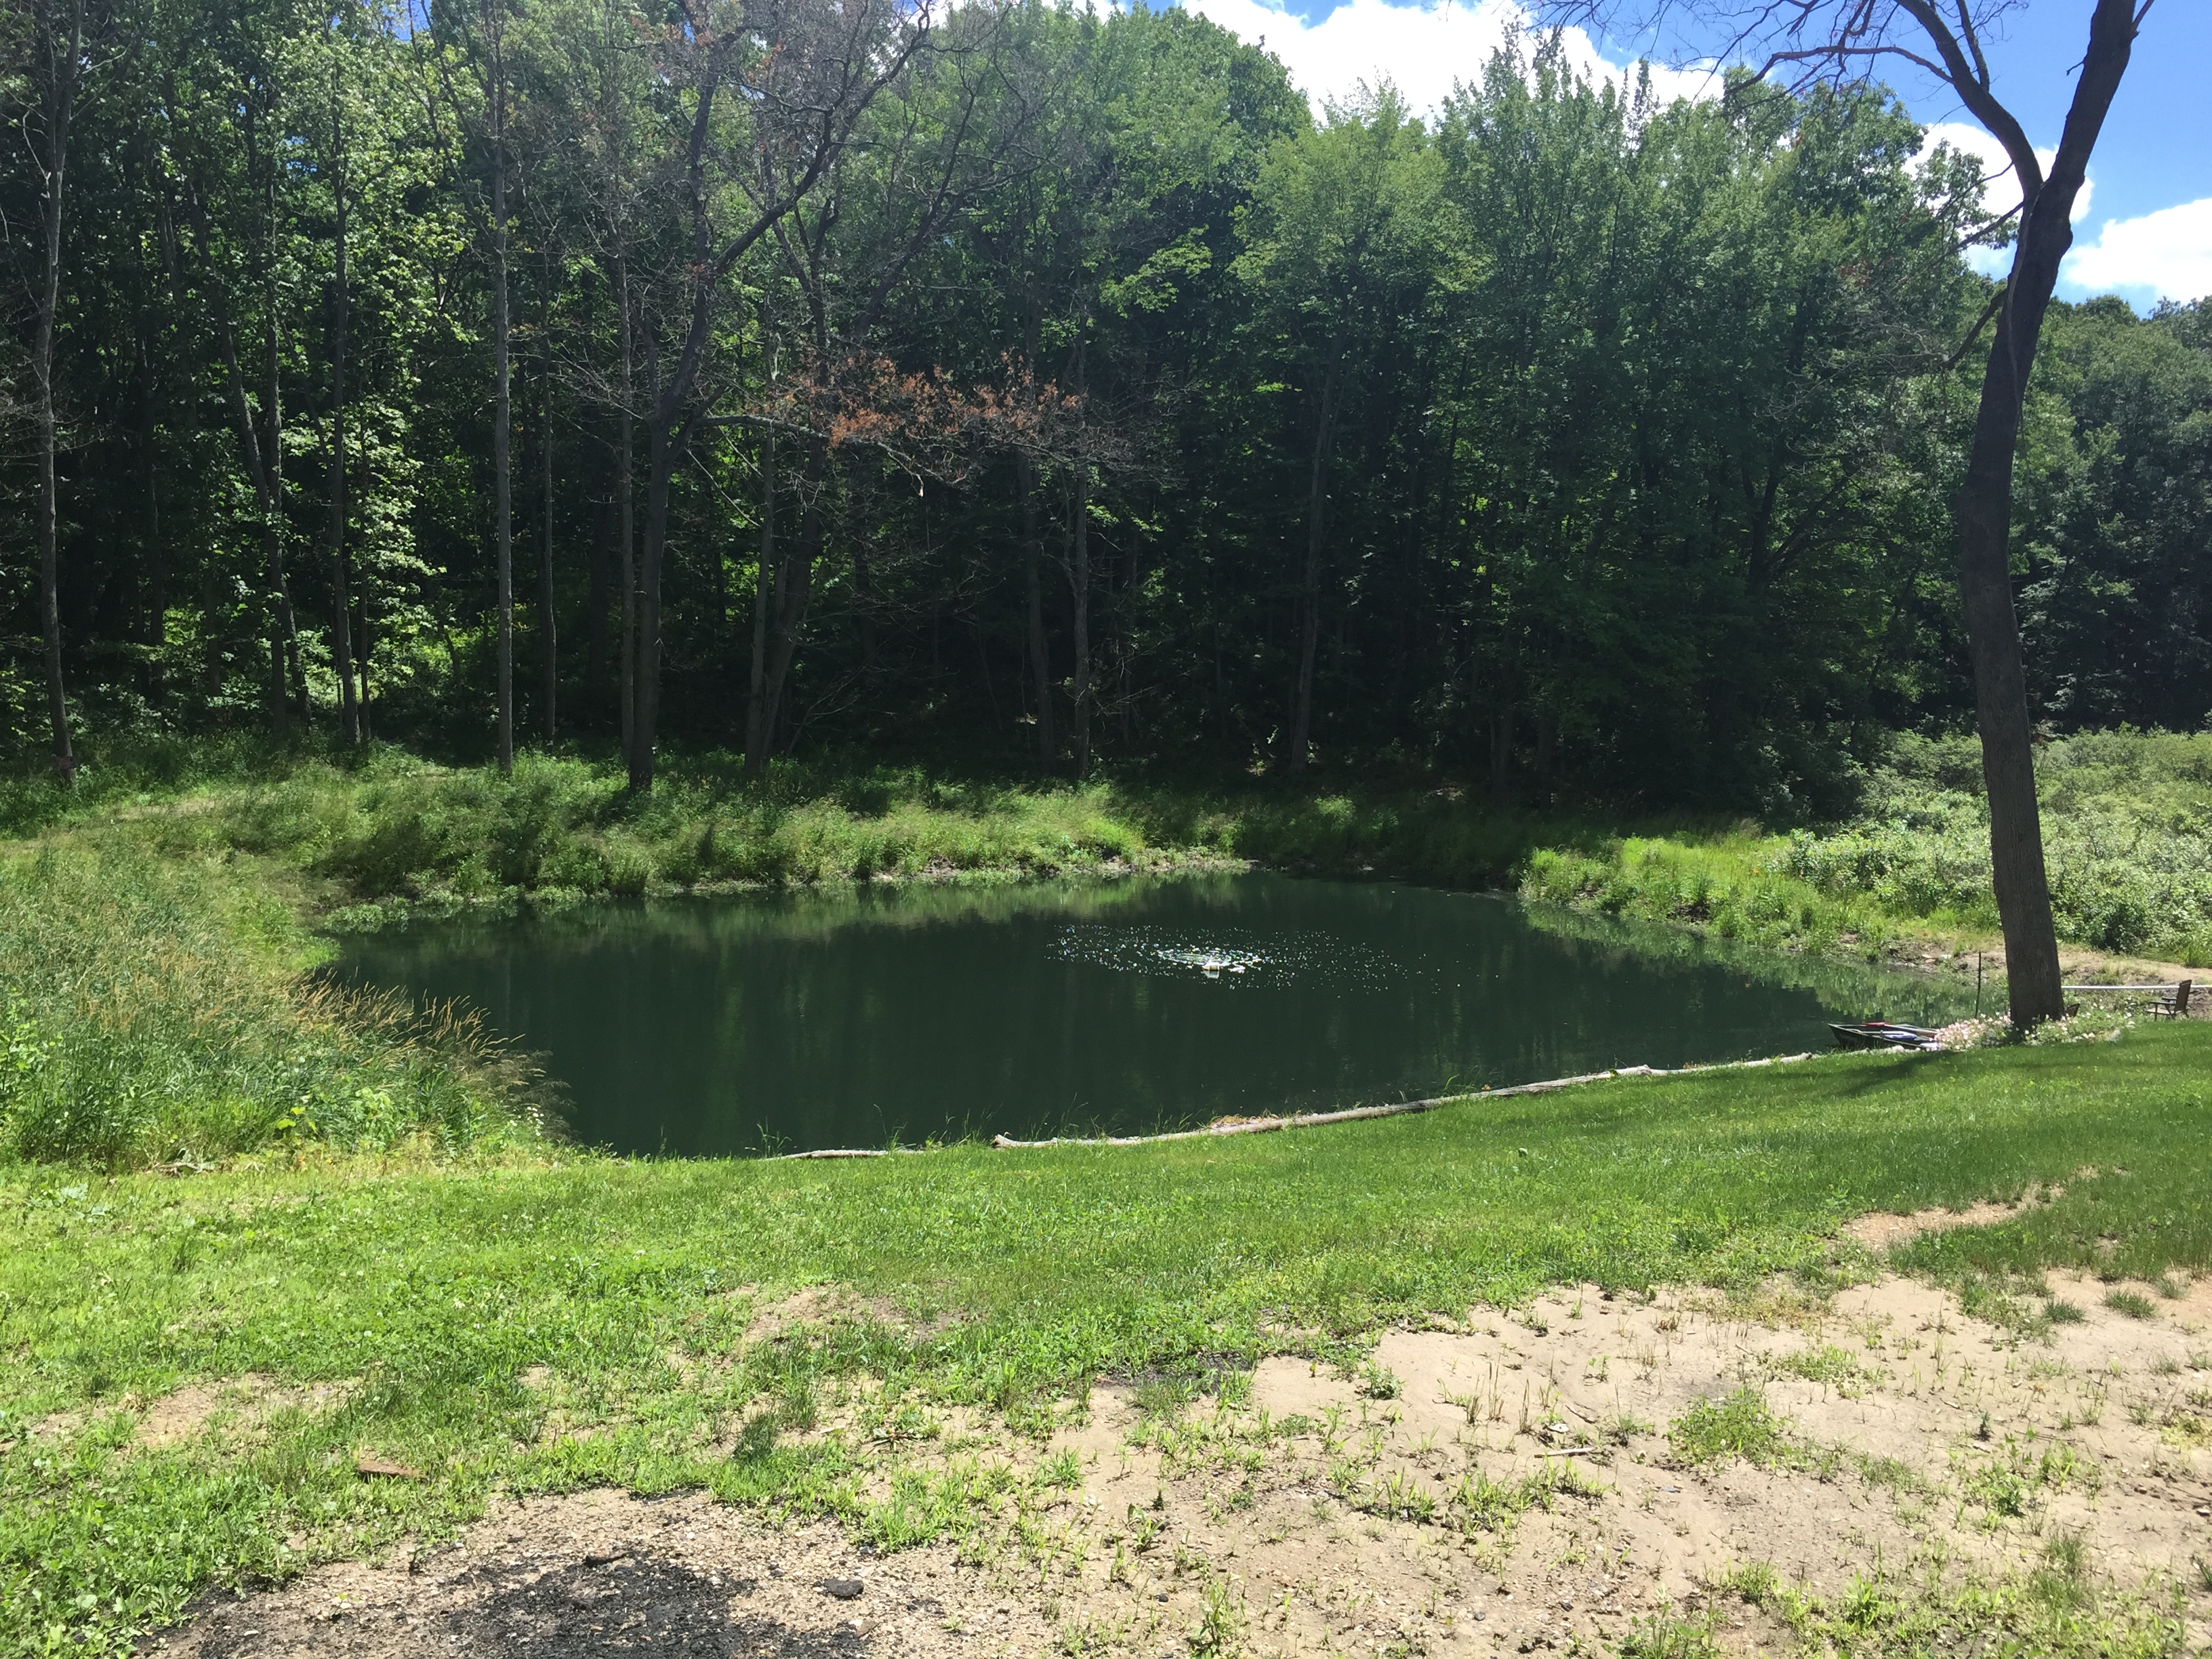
(244, 1402)
(2078, 964)
(1880, 1230)
(828, 1304)
(1422, 1506)
(604, 1573)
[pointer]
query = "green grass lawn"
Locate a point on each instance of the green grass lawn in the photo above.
(430, 1292)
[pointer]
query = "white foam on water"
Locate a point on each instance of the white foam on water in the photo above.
(1232, 956)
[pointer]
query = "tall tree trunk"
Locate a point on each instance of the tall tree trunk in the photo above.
(360, 664)
(285, 665)
(1040, 646)
(625, 499)
(155, 556)
(262, 467)
(547, 639)
(864, 582)
(794, 589)
(1078, 576)
(1317, 512)
(1984, 512)
(758, 733)
(660, 483)
(340, 601)
(599, 566)
(60, 61)
(1501, 753)
(502, 410)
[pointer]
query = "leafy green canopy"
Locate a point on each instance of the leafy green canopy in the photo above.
(1603, 445)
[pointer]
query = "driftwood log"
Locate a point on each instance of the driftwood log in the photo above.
(1261, 1126)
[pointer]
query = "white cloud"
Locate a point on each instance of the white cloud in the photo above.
(2166, 254)
(2001, 193)
(1425, 50)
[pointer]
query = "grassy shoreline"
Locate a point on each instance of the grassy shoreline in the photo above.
(184, 1023)
(551, 1322)
(362, 1226)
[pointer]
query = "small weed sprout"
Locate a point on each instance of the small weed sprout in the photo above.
(1162, 1397)
(1890, 1473)
(795, 1409)
(2062, 1581)
(1829, 1366)
(1221, 1627)
(2066, 1553)
(1753, 1582)
(1864, 1605)
(1666, 1637)
(1742, 1425)
(1399, 1497)
(757, 1438)
(1062, 1472)
(2010, 1480)
(2134, 1304)
(1378, 1383)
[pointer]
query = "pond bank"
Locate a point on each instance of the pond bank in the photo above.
(908, 1347)
(265, 853)
(927, 1016)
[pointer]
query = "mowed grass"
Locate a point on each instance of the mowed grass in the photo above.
(1006, 1282)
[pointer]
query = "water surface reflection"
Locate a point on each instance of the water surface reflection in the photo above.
(853, 1017)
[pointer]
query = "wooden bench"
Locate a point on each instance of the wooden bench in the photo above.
(2172, 1001)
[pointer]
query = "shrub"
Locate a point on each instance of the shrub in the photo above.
(155, 1009)
(1741, 1426)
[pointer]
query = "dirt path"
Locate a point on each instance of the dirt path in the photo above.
(1423, 1507)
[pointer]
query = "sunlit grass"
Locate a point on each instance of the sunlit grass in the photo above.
(160, 1009)
(1002, 1283)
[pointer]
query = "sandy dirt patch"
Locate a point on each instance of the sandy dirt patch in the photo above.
(243, 1402)
(604, 1573)
(1882, 1231)
(828, 1304)
(1504, 1485)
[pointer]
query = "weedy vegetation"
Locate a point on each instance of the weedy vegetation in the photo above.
(218, 1169)
(548, 1320)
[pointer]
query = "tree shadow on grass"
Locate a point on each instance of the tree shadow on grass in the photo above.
(577, 1611)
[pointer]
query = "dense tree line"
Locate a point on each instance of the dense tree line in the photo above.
(1034, 381)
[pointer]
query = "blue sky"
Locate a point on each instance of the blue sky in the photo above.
(2146, 232)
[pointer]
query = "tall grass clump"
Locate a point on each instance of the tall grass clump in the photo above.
(1733, 883)
(1429, 834)
(395, 828)
(2127, 828)
(157, 1009)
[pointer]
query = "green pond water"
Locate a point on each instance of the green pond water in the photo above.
(795, 1021)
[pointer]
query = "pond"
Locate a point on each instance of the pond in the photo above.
(797, 1021)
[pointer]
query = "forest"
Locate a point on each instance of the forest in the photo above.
(1039, 386)
(924, 790)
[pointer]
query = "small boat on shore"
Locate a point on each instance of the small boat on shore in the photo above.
(1884, 1034)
